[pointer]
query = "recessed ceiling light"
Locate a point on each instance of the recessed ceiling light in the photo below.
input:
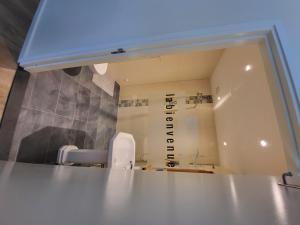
(219, 98)
(248, 68)
(263, 143)
(225, 143)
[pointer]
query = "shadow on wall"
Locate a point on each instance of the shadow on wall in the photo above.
(42, 146)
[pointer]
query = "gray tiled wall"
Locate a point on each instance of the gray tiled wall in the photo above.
(59, 109)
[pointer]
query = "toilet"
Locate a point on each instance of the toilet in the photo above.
(121, 154)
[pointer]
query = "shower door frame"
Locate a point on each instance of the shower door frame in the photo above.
(270, 35)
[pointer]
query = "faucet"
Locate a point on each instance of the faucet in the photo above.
(287, 174)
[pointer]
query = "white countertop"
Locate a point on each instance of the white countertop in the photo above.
(56, 195)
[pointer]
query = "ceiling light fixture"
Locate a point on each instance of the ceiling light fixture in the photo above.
(248, 68)
(263, 143)
(225, 143)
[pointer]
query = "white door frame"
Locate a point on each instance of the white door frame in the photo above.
(271, 36)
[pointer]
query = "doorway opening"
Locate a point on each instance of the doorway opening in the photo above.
(279, 91)
(201, 111)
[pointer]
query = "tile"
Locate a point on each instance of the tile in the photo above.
(100, 142)
(22, 130)
(85, 116)
(91, 132)
(103, 138)
(95, 89)
(86, 76)
(76, 77)
(105, 131)
(107, 106)
(59, 137)
(66, 105)
(82, 103)
(94, 110)
(63, 122)
(65, 131)
(33, 134)
(79, 128)
(45, 91)
(116, 93)
(200, 99)
(33, 147)
(29, 90)
(86, 80)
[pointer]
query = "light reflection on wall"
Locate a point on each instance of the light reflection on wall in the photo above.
(279, 202)
(118, 190)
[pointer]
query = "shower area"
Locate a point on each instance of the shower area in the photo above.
(210, 111)
(173, 123)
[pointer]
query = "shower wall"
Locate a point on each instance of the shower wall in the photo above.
(62, 110)
(245, 115)
(143, 113)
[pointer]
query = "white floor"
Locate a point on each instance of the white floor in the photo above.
(47, 195)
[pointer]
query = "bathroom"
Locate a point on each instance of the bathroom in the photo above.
(221, 116)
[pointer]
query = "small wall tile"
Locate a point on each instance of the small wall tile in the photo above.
(29, 90)
(86, 76)
(66, 105)
(45, 91)
(94, 109)
(108, 107)
(91, 131)
(80, 128)
(64, 132)
(82, 103)
(33, 135)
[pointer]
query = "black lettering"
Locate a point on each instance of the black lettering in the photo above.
(170, 156)
(171, 133)
(170, 140)
(169, 119)
(169, 100)
(170, 148)
(171, 164)
(169, 126)
(169, 107)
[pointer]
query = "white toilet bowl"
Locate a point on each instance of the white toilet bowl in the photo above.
(121, 153)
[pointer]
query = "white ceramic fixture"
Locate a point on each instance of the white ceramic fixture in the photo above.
(122, 151)
(100, 69)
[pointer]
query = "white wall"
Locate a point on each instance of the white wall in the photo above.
(76, 26)
(245, 115)
(194, 128)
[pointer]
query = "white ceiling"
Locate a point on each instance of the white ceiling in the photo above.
(166, 68)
